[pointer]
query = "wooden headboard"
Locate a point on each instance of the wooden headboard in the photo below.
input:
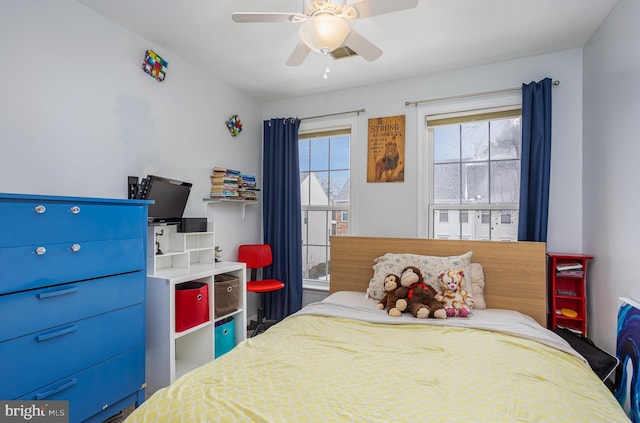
(514, 272)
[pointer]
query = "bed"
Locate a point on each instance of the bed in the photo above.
(342, 359)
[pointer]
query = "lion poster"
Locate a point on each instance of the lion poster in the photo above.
(385, 158)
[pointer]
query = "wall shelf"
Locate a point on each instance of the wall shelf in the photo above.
(567, 291)
(244, 203)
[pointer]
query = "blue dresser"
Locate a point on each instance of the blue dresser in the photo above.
(72, 302)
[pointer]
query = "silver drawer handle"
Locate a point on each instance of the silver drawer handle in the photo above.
(229, 288)
(75, 247)
(40, 209)
(40, 251)
(199, 297)
(75, 209)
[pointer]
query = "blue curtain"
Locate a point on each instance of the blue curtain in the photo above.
(282, 215)
(536, 161)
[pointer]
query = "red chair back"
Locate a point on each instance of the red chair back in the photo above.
(255, 255)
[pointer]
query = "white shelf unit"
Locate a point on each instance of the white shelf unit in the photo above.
(171, 354)
(182, 252)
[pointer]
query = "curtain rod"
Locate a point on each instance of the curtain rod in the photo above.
(454, 97)
(335, 114)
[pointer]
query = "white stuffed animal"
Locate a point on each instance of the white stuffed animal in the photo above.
(458, 302)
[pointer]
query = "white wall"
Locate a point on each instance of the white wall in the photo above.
(78, 115)
(391, 209)
(611, 202)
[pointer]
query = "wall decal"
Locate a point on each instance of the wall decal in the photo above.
(234, 125)
(155, 65)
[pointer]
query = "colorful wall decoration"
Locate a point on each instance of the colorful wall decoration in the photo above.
(155, 65)
(627, 389)
(234, 125)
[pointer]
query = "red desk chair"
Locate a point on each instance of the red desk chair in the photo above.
(257, 256)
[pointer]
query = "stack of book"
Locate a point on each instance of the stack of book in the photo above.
(233, 185)
(573, 269)
(225, 183)
(248, 189)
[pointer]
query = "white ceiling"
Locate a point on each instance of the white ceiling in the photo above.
(437, 35)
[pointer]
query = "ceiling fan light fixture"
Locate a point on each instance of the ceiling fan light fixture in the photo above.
(324, 32)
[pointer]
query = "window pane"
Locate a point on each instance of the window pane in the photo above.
(339, 148)
(475, 141)
(340, 223)
(319, 225)
(303, 153)
(498, 225)
(318, 257)
(468, 224)
(319, 153)
(505, 181)
(339, 188)
(446, 224)
(305, 228)
(475, 188)
(446, 183)
(446, 144)
(482, 229)
(305, 261)
(318, 188)
(305, 188)
(504, 228)
(506, 139)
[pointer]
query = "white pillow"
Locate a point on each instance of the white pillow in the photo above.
(431, 267)
(477, 286)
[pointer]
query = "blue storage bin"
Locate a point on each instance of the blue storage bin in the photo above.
(225, 336)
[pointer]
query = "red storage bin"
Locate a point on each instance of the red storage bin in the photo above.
(192, 305)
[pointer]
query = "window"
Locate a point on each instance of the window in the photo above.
(485, 218)
(325, 196)
(444, 216)
(464, 216)
(474, 160)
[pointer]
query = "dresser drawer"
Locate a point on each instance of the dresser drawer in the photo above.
(23, 268)
(97, 387)
(54, 353)
(39, 309)
(31, 222)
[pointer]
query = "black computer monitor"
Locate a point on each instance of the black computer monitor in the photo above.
(170, 198)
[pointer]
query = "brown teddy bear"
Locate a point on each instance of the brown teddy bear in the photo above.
(421, 297)
(458, 301)
(390, 300)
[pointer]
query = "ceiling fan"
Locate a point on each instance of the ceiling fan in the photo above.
(325, 25)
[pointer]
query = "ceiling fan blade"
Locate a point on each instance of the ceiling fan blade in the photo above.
(362, 46)
(299, 54)
(249, 17)
(366, 8)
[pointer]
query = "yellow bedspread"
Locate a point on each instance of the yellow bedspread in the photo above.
(330, 369)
